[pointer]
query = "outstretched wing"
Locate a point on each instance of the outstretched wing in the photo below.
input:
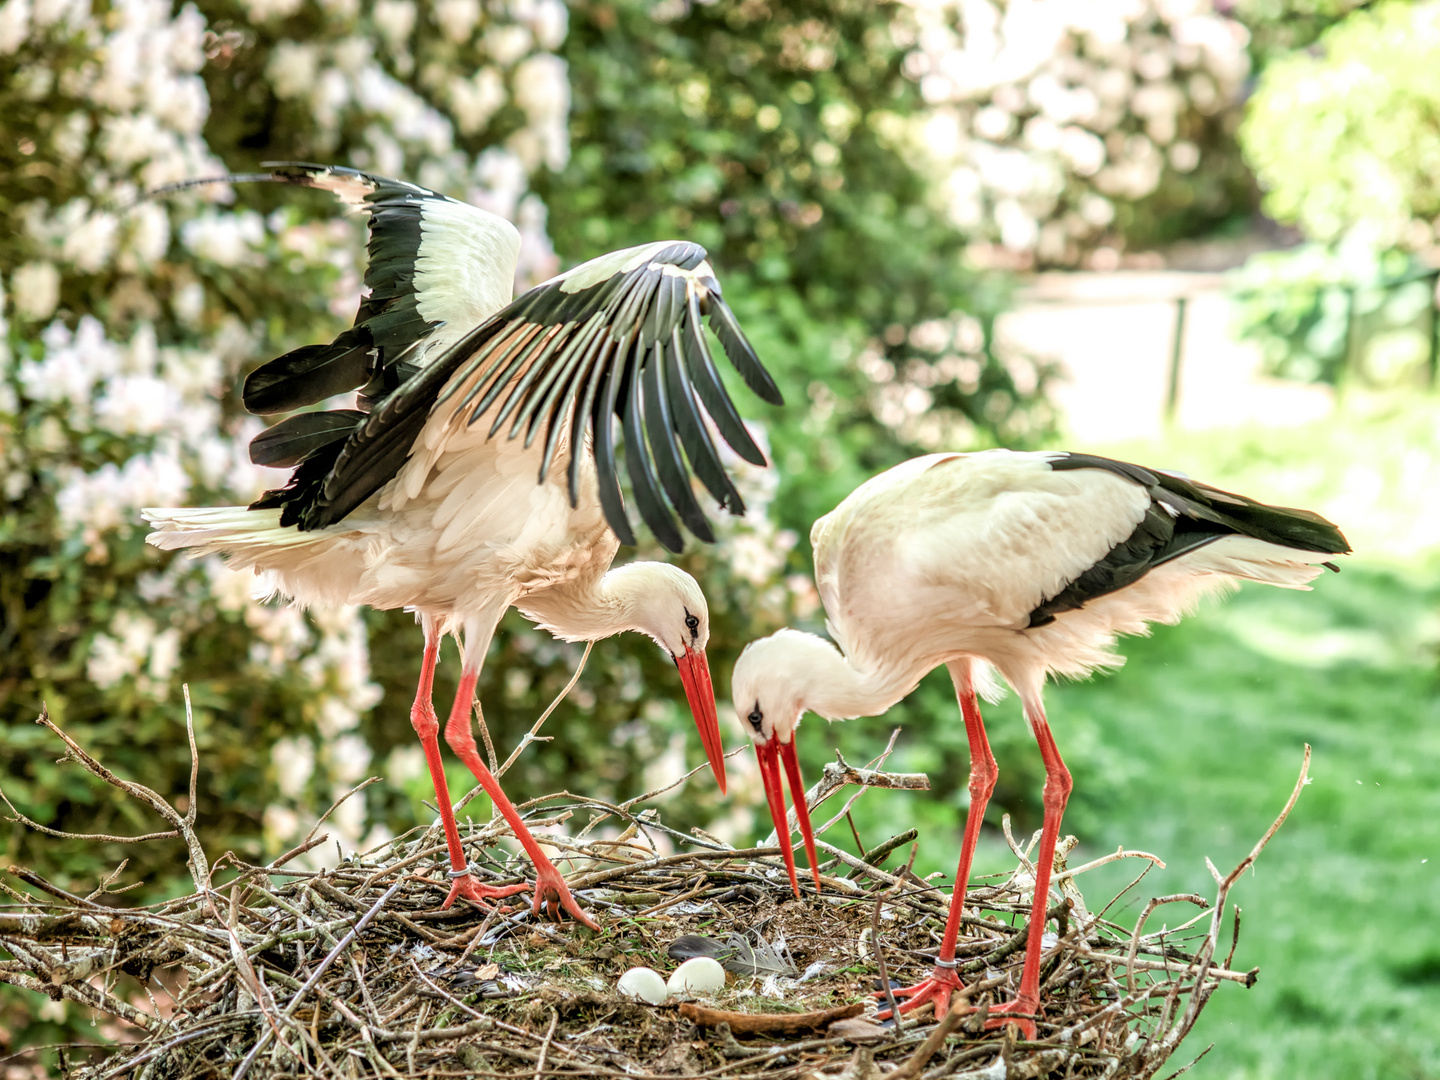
(437, 268)
(620, 336)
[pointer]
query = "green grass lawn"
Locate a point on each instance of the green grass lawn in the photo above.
(1191, 749)
(1342, 912)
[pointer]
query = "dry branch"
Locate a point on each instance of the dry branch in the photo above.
(768, 1023)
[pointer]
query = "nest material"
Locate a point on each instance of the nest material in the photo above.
(356, 971)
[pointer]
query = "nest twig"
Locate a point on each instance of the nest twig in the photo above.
(356, 971)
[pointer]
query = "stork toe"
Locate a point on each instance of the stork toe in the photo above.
(1020, 1012)
(468, 888)
(553, 894)
(937, 988)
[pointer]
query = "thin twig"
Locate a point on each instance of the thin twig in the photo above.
(305, 844)
(545, 1046)
(529, 736)
(294, 1003)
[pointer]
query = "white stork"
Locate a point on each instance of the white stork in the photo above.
(1027, 563)
(411, 501)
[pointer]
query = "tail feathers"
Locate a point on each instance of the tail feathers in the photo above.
(233, 529)
(1258, 560)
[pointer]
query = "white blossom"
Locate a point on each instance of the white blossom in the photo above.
(148, 237)
(232, 590)
(292, 69)
(537, 261)
(542, 88)
(507, 43)
(293, 758)
(501, 177)
(36, 288)
(548, 20)
(281, 824)
(72, 364)
(348, 757)
(261, 11)
(188, 302)
(113, 495)
(1047, 81)
(134, 648)
(406, 763)
(70, 136)
(457, 18)
(49, 12)
(138, 405)
(14, 25)
(395, 20)
(227, 239)
(476, 99)
(89, 245)
(132, 138)
(113, 658)
(348, 819)
(134, 68)
(331, 95)
(164, 656)
(351, 54)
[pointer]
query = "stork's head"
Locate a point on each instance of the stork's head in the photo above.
(665, 603)
(771, 688)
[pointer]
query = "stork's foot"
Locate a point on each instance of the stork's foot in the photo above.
(1021, 1012)
(468, 888)
(943, 982)
(552, 892)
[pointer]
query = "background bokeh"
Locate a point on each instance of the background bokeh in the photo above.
(1201, 236)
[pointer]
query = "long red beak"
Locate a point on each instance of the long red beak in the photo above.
(695, 674)
(770, 755)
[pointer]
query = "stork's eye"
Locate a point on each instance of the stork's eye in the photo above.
(757, 718)
(692, 623)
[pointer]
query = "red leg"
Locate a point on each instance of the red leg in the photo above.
(1057, 793)
(550, 888)
(944, 980)
(427, 726)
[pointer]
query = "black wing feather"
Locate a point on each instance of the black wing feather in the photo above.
(670, 466)
(309, 374)
(686, 415)
(642, 466)
(737, 348)
(286, 444)
(603, 427)
(706, 381)
(580, 418)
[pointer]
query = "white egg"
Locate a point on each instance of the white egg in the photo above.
(698, 975)
(643, 983)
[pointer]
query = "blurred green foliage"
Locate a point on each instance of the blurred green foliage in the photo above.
(1281, 27)
(1338, 315)
(1345, 136)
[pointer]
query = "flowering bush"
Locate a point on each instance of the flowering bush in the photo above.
(127, 325)
(1055, 128)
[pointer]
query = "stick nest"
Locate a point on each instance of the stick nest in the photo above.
(357, 971)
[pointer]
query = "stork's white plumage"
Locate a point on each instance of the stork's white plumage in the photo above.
(1025, 563)
(411, 501)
